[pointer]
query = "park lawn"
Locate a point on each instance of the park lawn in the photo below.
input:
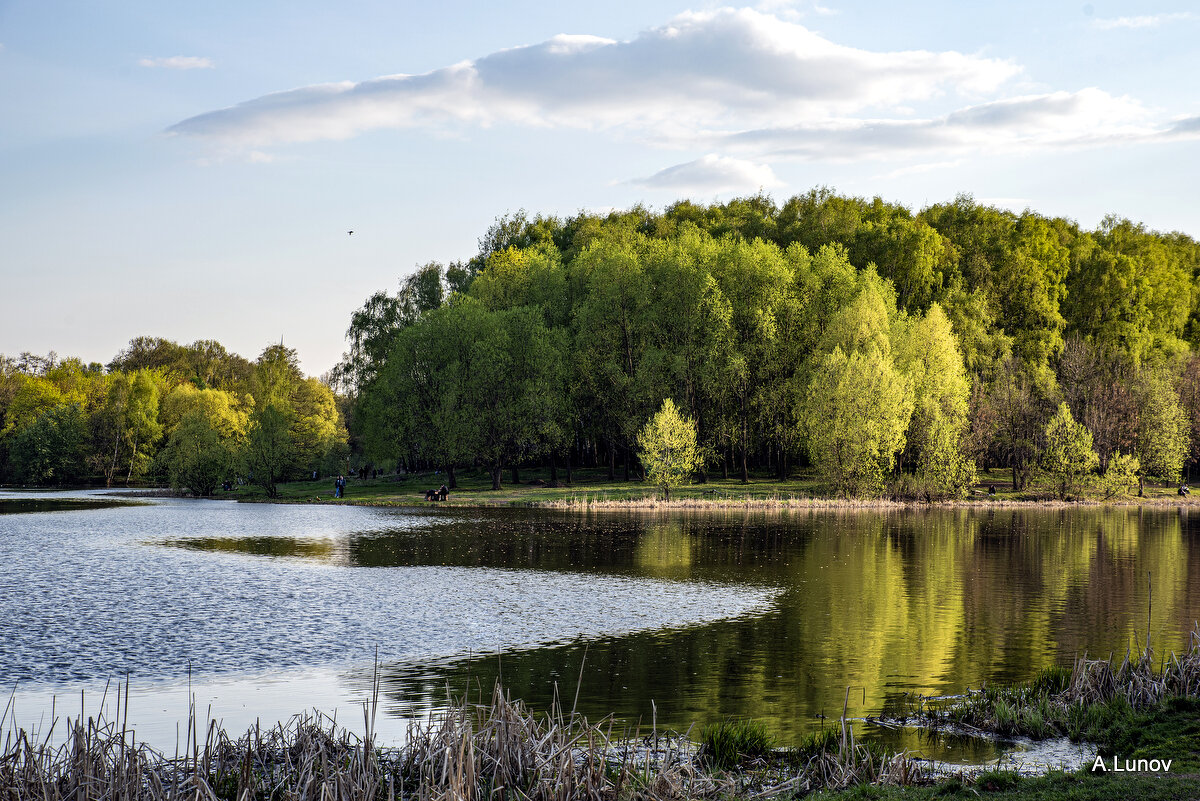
(593, 485)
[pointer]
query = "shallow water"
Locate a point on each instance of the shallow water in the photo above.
(684, 619)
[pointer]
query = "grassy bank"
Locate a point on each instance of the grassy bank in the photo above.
(591, 489)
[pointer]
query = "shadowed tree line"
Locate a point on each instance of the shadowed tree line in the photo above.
(893, 351)
(191, 415)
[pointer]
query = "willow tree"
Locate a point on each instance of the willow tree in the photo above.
(926, 351)
(856, 413)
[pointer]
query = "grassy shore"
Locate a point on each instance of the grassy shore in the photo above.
(591, 489)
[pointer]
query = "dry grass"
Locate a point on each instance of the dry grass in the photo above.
(466, 752)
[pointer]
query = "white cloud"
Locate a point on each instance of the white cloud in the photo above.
(178, 63)
(1147, 21)
(1059, 119)
(718, 69)
(712, 173)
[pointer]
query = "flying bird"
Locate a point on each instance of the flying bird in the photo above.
(350, 233)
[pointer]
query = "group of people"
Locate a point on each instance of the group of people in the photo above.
(339, 487)
(439, 494)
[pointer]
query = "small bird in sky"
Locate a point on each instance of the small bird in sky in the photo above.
(350, 233)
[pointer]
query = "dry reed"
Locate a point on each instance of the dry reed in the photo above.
(464, 752)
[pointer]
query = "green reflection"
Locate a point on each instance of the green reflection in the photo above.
(13, 506)
(887, 604)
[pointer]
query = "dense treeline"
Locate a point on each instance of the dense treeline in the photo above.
(883, 347)
(193, 415)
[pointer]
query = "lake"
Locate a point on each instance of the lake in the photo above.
(261, 611)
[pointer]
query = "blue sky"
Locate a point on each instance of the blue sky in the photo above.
(190, 171)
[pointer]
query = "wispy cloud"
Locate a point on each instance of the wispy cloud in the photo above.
(746, 87)
(712, 173)
(1146, 21)
(1060, 119)
(178, 63)
(722, 68)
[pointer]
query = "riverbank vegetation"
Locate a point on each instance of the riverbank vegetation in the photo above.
(886, 352)
(465, 751)
(192, 416)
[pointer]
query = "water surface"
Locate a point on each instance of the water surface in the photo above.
(684, 619)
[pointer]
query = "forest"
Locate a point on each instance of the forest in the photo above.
(194, 416)
(889, 351)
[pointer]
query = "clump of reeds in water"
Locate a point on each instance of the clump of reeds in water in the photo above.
(466, 752)
(1074, 702)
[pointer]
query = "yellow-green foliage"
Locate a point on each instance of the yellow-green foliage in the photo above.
(1069, 455)
(667, 448)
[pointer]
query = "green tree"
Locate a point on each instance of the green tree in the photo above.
(50, 450)
(927, 353)
(1163, 429)
(1068, 455)
(1120, 477)
(667, 448)
(268, 448)
(856, 412)
(197, 457)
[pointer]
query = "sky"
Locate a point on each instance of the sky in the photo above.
(190, 171)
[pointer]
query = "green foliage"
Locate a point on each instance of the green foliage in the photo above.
(1120, 477)
(1163, 430)
(926, 351)
(726, 744)
(50, 449)
(857, 409)
(667, 448)
(268, 449)
(1068, 455)
(197, 457)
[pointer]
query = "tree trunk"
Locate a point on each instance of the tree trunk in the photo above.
(745, 467)
(612, 462)
(625, 462)
(783, 465)
(496, 468)
(567, 467)
(553, 470)
(132, 457)
(725, 463)
(451, 478)
(516, 477)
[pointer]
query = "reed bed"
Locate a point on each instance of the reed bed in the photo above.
(1077, 703)
(466, 752)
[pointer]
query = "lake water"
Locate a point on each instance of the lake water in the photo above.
(267, 610)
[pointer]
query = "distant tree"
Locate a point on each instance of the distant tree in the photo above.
(50, 450)
(856, 412)
(667, 448)
(1068, 455)
(1120, 477)
(196, 457)
(276, 374)
(1163, 429)
(927, 353)
(268, 448)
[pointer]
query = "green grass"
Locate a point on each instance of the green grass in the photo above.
(726, 744)
(592, 485)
